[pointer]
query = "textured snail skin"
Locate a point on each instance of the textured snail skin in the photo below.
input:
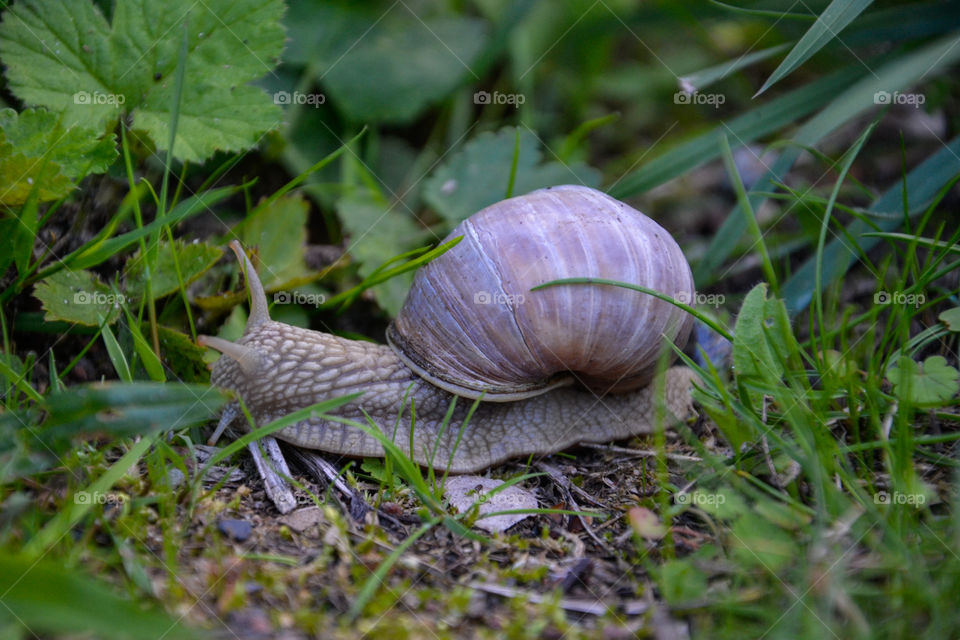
(290, 368)
(277, 368)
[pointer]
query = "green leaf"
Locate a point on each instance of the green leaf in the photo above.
(12, 370)
(477, 175)
(723, 503)
(129, 408)
(930, 384)
(65, 56)
(77, 296)
(183, 356)
(48, 597)
(378, 470)
(279, 233)
(400, 65)
(378, 233)
(194, 259)
(757, 542)
(831, 22)
(951, 318)
(36, 149)
(72, 512)
(761, 345)
(20, 172)
(40, 134)
(680, 581)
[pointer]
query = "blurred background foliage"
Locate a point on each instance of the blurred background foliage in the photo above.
(402, 118)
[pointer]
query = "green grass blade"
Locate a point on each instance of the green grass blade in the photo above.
(748, 127)
(20, 382)
(315, 410)
(900, 72)
(750, 217)
(74, 511)
(115, 352)
(831, 22)
(922, 184)
(87, 257)
(700, 80)
(702, 317)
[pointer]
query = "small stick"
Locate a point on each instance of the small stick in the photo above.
(630, 608)
(643, 453)
(324, 470)
(273, 471)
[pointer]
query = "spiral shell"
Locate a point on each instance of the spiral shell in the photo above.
(472, 325)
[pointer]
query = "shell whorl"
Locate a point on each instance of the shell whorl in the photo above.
(472, 325)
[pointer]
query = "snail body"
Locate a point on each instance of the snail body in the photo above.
(542, 362)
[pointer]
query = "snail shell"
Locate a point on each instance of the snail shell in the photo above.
(472, 325)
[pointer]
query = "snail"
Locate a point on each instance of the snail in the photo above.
(553, 367)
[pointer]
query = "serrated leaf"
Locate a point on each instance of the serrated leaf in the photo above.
(951, 318)
(19, 174)
(400, 65)
(477, 175)
(929, 384)
(40, 133)
(65, 56)
(279, 234)
(378, 233)
(77, 296)
(37, 150)
(194, 259)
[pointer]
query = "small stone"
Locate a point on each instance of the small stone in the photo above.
(302, 519)
(175, 478)
(464, 492)
(239, 530)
